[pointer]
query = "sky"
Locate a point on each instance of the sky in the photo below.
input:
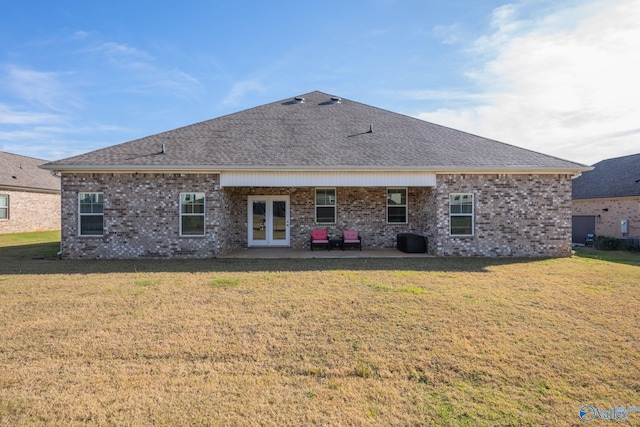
(560, 77)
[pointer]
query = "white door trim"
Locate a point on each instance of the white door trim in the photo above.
(271, 234)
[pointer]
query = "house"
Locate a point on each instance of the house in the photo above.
(606, 200)
(29, 196)
(267, 176)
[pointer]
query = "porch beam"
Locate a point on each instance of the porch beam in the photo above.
(326, 179)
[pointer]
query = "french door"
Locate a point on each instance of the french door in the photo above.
(268, 220)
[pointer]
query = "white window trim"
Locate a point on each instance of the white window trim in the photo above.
(203, 215)
(80, 214)
(472, 214)
(406, 205)
(6, 196)
(334, 206)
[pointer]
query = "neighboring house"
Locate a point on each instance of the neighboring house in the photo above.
(606, 200)
(29, 196)
(267, 176)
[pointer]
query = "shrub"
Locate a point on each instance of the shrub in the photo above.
(605, 243)
(628, 244)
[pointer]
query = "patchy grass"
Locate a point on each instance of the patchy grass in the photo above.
(308, 342)
(224, 282)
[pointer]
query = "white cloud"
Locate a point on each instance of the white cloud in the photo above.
(448, 34)
(504, 25)
(144, 72)
(564, 83)
(241, 89)
(53, 150)
(444, 95)
(9, 116)
(43, 89)
(56, 141)
(124, 55)
(79, 35)
(121, 49)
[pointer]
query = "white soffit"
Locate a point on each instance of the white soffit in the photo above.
(326, 179)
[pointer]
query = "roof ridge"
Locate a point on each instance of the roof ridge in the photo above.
(26, 157)
(617, 158)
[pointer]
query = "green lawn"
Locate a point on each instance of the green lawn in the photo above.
(20, 247)
(429, 341)
(621, 257)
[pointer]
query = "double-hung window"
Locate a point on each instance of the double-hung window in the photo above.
(192, 214)
(91, 213)
(397, 205)
(4, 206)
(326, 205)
(461, 214)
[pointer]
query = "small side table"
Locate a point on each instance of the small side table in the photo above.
(335, 243)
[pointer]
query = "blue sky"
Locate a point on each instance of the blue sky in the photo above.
(558, 77)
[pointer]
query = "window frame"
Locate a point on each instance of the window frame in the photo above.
(5, 207)
(334, 205)
(203, 214)
(462, 214)
(90, 214)
(405, 205)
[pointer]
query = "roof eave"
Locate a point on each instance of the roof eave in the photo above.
(340, 168)
(29, 189)
(598, 197)
(130, 168)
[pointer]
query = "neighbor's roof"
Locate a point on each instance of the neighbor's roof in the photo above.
(21, 173)
(319, 133)
(619, 177)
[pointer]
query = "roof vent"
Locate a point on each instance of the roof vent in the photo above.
(299, 100)
(335, 100)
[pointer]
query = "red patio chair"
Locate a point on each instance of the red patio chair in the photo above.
(319, 238)
(351, 238)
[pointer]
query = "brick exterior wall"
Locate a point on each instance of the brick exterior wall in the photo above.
(608, 222)
(30, 211)
(515, 215)
(141, 216)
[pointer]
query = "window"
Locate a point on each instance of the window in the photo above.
(4, 207)
(461, 214)
(397, 205)
(91, 214)
(192, 214)
(326, 205)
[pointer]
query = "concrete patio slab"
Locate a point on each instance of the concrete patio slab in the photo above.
(256, 253)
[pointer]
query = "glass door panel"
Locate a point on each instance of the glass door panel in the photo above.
(259, 220)
(279, 220)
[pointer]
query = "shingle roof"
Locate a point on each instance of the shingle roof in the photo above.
(315, 134)
(21, 172)
(618, 177)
